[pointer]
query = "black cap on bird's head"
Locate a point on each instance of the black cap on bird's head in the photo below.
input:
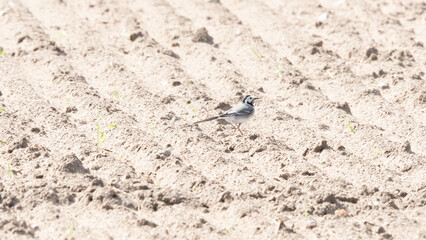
(249, 99)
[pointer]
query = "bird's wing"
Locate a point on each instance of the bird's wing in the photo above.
(240, 109)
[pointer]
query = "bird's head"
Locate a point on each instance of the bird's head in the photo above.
(249, 99)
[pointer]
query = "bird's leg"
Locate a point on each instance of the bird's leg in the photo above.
(240, 129)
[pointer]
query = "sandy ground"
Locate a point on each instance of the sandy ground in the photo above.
(336, 149)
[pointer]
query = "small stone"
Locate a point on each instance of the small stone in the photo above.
(381, 230)
(35, 130)
(322, 17)
(288, 208)
(226, 197)
(383, 85)
(418, 44)
(253, 137)
(311, 224)
(341, 213)
(238, 32)
(345, 107)
(163, 154)
(71, 109)
(329, 197)
(406, 147)
(144, 222)
(387, 236)
(305, 152)
(23, 143)
(318, 44)
(176, 83)
(393, 205)
(372, 51)
(170, 53)
(135, 36)
(98, 182)
(149, 180)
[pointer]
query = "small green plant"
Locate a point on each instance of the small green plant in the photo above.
(194, 188)
(352, 130)
(305, 212)
(101, 134)
(150, 127)
(2, 109)
(72, 230)
(3, 142)
(10, 170)
(191, 107)
(256, 53)
(116, 94)
(377, 150)
(280, 72)
(2, 52)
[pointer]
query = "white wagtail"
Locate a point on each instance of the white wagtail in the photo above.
(238, 114)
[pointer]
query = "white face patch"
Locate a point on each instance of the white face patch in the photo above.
(249, 99)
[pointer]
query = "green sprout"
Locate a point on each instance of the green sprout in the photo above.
(194, 188)
(116, 94)
(150, 127)
(2, 109)
(10, 170)
(72, 230)
(352, 130)
(280, 72)
(2, 52)
(3, 142)
(191, 107)
(305, 212)
(256, 53)
(101, 134)
(377, 150)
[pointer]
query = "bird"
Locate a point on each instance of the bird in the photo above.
(239, 114)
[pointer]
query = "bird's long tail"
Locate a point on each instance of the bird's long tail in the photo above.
(208, 119)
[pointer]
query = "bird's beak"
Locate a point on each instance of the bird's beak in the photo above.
(255, 98)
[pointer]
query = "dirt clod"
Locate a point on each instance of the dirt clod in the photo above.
(71, 164)
(201, 35)
(323, 145)
(135, 36)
